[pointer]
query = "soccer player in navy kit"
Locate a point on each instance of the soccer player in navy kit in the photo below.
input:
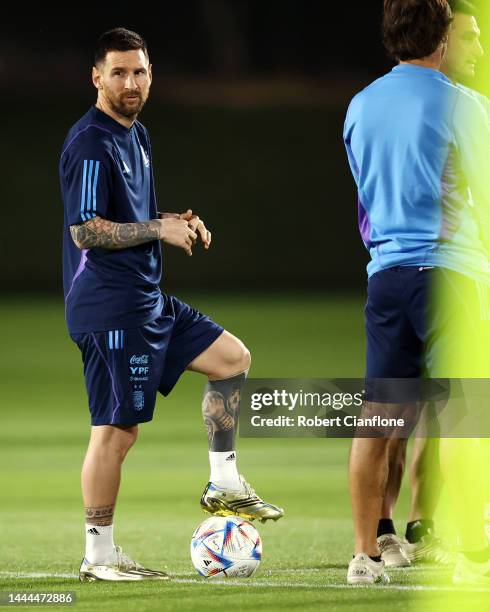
(414, 155)
(134, 340)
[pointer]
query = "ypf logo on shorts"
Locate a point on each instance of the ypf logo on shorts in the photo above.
(139, 367)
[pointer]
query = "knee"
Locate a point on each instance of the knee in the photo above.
(238, 358)
(125, 439)
(245, 359)
(115, 439)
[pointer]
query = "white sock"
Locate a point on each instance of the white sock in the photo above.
(223, 470)
(99, 542)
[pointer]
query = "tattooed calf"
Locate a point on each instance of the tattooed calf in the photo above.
(220, 409)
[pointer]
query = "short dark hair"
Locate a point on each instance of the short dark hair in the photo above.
(413, 29)
(118, 39)
(463, 6)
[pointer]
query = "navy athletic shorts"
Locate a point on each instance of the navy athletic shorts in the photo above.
(125, 368)
(410, 333)
(396, 316)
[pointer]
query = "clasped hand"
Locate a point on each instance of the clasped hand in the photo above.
(182, 230)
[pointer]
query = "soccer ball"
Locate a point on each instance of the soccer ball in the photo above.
(226, 547)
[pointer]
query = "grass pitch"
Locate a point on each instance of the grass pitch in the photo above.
(45, 429)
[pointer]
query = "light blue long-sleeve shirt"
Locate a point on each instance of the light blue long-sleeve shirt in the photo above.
(419, 150)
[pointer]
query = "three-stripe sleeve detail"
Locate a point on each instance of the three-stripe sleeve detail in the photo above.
(84, 185)
(94, 187)
(88, 199)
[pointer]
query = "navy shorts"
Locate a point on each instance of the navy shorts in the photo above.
(411, 333)
(398, 328)
(396, 316)
(125, 368)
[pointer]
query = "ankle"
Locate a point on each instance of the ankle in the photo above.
(417, 529)
(99, 543)
(386, 527)
(224, 472)
(370, 551)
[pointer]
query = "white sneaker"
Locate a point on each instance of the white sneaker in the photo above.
(429, 549)
(392, 552)
(118, 568)
(363, 570)
(468, 573)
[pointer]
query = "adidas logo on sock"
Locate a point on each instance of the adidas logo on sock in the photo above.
(93, 531)
(231, 457)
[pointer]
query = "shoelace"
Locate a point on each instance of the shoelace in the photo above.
(123, 561)
(387, 543)
(248, 489)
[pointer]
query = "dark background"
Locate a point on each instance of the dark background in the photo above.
(245, 115)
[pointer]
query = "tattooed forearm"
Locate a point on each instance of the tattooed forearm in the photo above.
(101, 516)
(220, 408)
(105, 234)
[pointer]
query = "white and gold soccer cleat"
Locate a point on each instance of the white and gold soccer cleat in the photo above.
(244, 503)
(118, 568)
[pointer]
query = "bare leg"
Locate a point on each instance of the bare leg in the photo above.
(101, 471)
(226, 363)
(465, 481)
(397, 451)
(425, 478)
(368, 473)
(224, 358)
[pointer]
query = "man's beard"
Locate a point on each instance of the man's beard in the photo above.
(122, 108)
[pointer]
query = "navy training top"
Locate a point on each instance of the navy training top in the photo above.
(105, 170)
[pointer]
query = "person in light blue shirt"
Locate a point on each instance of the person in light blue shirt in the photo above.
(421, 168)
(408, 145)
(422, 542)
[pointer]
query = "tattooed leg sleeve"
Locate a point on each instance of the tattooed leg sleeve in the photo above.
(220, 409)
